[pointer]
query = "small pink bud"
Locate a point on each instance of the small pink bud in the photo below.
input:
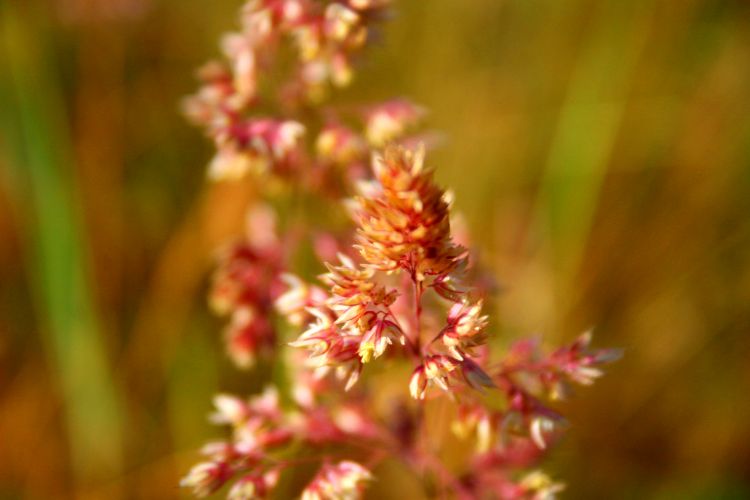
(250, 487)
(206, 477)
(418, 383)
(230, 409)
(345, 480)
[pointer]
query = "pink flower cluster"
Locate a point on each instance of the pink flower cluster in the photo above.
(322, 38)
(263, 431)
(401, 289)
(248, 280)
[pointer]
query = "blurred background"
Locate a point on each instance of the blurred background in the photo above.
(600, 150)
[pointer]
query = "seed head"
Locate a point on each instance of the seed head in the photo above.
(403, 217)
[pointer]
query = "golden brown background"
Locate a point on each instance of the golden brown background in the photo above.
(600, 150)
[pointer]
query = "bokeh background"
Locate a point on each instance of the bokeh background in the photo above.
(600, 150)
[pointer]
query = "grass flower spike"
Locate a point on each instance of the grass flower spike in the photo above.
(404, 219)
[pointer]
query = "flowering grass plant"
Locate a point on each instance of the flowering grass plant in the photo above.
(402, 288)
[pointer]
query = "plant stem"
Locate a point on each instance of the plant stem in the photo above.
(418, 291)
(412, 346)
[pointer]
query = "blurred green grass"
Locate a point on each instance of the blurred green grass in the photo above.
(57, 258)
(599, 149)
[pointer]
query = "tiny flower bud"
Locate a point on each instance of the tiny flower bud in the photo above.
(249, 487)
(540, 425)
(538, 486)
(418, 383)
(340, 21)
(206, 477)
(345, 480)
(230, 409)
(389, 121)
(294, 302)
(434, 370)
